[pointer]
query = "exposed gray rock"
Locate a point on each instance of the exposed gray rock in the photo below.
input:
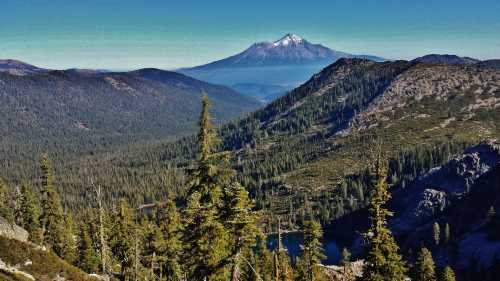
(350, 272)
(12, 231)
(59, 278)
(458, 175)
(99, 277)
(433, 192)
(15, 270)
(431, 203)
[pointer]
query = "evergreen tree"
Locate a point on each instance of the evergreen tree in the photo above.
(312, 252)
(208, 250)
(167, 242)
(492, 213)
(424, 268)
(122, 242)
(447, 233)
(241, 223)
(69, 245)
(346, 257)
(17, 212)
(206, 242)
(101, 230)
(87, 260)
(300, 272)
(261, 262)
(283, 271)
(436, 233)
(6, 202)
(52, 218)
(448, 274)
(30, 213)
(383, 262)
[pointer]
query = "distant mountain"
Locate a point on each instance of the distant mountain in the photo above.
(16, 67)
(287, 63)
(291, 49)
(446, 59)
(490, 64)
(88, 110)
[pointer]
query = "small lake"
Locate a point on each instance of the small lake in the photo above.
(293, 240)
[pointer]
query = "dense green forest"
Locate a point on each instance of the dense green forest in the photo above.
(214, 232)
(299, 164)
(72, 112)
(291, 147)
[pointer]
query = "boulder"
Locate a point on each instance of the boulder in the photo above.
(12, 231)
(350, 272)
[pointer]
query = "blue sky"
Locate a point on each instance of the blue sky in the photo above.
(125, 34)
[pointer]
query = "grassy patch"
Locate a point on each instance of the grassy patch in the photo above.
(44, 265)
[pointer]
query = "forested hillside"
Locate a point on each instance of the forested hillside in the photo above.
(213, 232)
(83, 112)
(309, 150)
(313, 156)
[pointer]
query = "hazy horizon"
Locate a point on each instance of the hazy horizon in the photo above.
(122, 35)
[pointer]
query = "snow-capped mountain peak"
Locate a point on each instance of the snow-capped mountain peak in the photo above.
(288, 39)
(290, 49)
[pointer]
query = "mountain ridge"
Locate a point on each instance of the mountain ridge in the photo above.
(17, 67)
(67, 111)
(446, 59)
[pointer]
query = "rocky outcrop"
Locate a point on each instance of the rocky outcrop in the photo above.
(431, 203)
(14, 270)
(349, 272)
(434, 191)
(438, 82)
(12, 231)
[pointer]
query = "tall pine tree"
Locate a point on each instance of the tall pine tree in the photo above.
(69, 245)
(207, 241)
(123, 240)
(30, 213)
(87, 257)
(383, 262)
(167, 243)
(312, 252)
(6, 202)
(345, 257)
(241, 224)
(447, 233)
(52, 218)
(424, 268)
(448, 274)
(436, 233)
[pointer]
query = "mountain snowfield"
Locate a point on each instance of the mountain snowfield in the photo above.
(288, 39)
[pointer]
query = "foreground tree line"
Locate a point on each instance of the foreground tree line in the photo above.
(213, 233)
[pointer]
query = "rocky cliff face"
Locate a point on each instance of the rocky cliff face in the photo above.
(458, 194)
(433, 192)
(12, 231)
